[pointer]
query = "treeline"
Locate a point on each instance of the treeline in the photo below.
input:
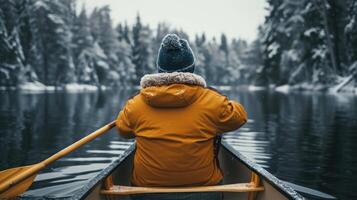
(300, 43)
(47, 41)
(306, 41)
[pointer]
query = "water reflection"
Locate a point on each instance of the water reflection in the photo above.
(35, 126)
(303, 138)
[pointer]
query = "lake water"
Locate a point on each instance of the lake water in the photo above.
(304, 138)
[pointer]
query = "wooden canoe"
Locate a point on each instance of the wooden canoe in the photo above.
(245, 178)
(237, 169)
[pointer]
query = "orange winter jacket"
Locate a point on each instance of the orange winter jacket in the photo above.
(175, 119)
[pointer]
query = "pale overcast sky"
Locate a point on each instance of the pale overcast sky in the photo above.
(236, 18)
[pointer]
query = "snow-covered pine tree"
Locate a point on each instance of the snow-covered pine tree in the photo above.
(236, 68)
(350, 32)
(224, 44)
(15, 43)
(281, 29)
(207, 50)
(215, 61)
(239, 46)
(318, 46)
(161, 30)
(10, 61)
(297, 43)
(51, 25)
(105, 36)
(292, 28)
(64, 17)
(120, 32)
(85, 56)
(126, 67)
(252, 60)
(126, 34)
(227, 72)
(123, 32)
(273, 40)
(198, 49)
(142, 55)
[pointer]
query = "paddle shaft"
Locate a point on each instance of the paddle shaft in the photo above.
(39, 166)
(79, 143)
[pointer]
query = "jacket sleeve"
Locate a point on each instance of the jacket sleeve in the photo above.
(123, 123)
(231, 116)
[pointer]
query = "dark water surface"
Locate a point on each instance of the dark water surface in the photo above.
(304, 138)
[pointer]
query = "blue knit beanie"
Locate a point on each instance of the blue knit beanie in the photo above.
(175, 55)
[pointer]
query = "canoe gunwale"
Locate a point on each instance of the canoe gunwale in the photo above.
(286, 190)
(104, 173)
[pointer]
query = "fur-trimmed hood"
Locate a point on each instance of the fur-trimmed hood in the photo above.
(171, 90)
(171, 78)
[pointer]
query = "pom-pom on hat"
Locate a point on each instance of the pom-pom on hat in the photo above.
(175, 55)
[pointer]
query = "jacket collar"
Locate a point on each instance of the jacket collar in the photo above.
(160, 79)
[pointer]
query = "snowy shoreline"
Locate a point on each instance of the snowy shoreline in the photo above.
(307, 87)
(37, 87)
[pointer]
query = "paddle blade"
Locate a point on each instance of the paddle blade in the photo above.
(14, 190)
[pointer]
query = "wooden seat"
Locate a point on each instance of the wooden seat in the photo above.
(251, 187)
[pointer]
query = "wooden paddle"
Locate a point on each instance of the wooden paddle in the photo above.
(16, 181)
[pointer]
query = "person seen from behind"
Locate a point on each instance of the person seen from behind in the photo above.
(176, 120)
